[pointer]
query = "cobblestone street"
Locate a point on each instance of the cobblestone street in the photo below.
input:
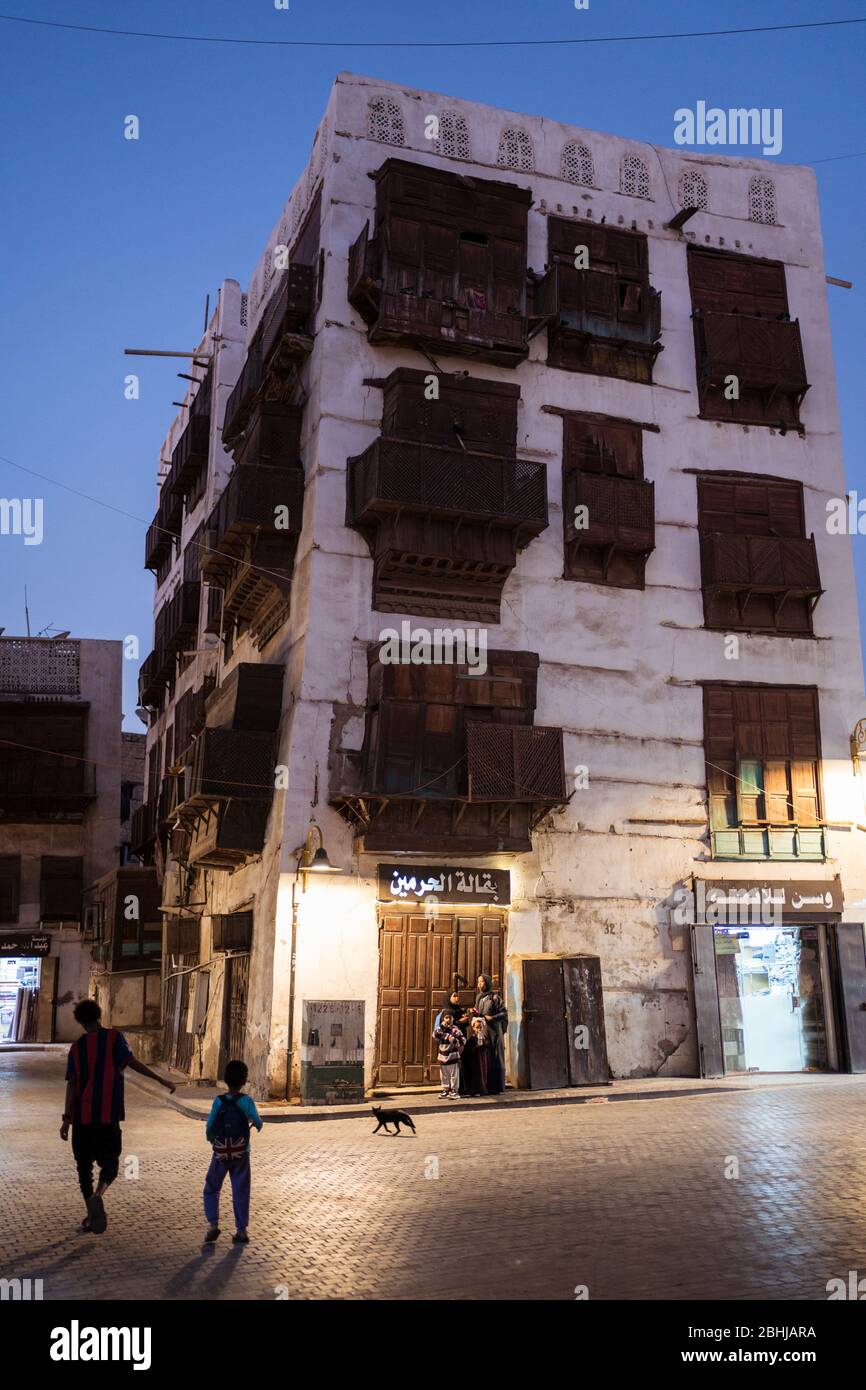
(630, 1199)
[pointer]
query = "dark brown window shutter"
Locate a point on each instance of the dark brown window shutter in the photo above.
(10, 887)
(61, 887)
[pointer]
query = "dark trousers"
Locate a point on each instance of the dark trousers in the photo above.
(238, 1173)
(99, 1144)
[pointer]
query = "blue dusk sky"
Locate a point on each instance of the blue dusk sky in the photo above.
(108, 243)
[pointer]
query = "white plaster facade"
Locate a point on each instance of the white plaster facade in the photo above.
(620, 669)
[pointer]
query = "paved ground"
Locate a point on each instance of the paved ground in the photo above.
(629, 1199)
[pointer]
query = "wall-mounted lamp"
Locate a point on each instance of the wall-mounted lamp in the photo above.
(312, 856)
(858, 744)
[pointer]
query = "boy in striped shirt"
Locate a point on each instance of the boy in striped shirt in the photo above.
(94, 1105)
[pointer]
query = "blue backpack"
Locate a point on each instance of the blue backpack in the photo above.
(231, 1129)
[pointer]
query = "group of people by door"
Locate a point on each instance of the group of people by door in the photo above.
(470, 1043)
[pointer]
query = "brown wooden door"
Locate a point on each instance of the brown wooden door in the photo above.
(418, 959)
(235, 992)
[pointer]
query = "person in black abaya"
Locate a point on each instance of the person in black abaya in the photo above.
(490, 1006)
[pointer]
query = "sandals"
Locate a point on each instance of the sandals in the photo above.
(98, 1219)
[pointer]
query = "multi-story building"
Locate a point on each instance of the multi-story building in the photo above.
(60, 761)
(556, 411)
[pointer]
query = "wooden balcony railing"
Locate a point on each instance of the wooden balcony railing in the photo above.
(760, 564)
(252, 502)
(619, 511)
(763, 354)
(177, 621)
(599, 305)
(242, 398)
(229, 764)
(515, 763)
(393, 475)
(190, 455)
(33, 783)
(150, 685)
(143, 825)
(288, 312)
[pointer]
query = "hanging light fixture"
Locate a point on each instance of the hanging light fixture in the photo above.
(316, 861)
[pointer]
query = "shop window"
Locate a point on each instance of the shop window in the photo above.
(763, 749)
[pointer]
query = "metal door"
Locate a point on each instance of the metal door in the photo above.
(545, 1019)
(584, 1013)
(707, 1021)
(851, 962)
(236, 990)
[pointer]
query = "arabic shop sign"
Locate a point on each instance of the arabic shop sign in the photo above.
(412, 883)
(29, 945)
(737, 901)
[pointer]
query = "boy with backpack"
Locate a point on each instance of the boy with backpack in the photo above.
(228, 1130)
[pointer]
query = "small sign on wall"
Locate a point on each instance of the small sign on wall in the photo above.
(416, 883)
(332, 1052)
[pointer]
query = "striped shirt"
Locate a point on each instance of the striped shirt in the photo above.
(95, 1065)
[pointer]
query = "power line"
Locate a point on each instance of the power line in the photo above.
(427, 43)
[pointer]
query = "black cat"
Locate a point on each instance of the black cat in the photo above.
(391, 1117)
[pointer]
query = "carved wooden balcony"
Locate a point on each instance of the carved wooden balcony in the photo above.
(394, 475)
(189, 715)
(783, 567)
(250, 504)
(190, 455)
(163, 531)
(242, 399)
(150, 685)
(176, 624)
(440, 325)
(765, 355)
(592, 315)
(619, 513)
(228, 835)
(444, 525)
(143, 827)
(44, 786)
(228, 764)
(286, 320)
(509, 777)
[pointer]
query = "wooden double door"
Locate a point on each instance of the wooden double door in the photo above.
(419, 956)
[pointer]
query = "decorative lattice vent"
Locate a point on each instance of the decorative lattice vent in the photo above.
(762, 200)
(385, 121)
(453, 136)
(693, 190)
(515, 150)
(576, 165)
(634, 176)
(245, 310)
(39, 666)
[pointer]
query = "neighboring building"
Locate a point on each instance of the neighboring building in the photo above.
(132, 776)
(495, 391)
(60, 755)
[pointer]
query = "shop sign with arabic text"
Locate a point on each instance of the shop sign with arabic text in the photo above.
(413, 883)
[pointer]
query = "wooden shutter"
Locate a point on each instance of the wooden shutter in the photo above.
(598, 447)
(10, 887)
(777, 792)
(399, 734)
(725, 283)
(804, 793)
(61, 887)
